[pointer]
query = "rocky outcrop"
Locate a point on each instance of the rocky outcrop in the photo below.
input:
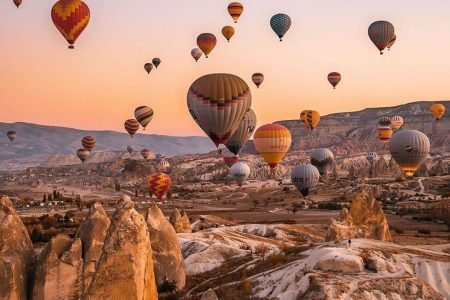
(125, 269)
(92, 233)
(180, 222)
(167, 257)
(338, 260)
(209, 295)
(16, 254)
(58, 271)
(364, 219)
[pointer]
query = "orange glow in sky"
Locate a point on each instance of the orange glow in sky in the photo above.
(98, 85)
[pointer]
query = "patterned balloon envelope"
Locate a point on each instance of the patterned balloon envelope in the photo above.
(159, 184)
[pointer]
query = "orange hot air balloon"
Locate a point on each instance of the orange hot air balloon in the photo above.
(384, 133)
(17, 3)
(159, 183)
(228, 32)
(310, 118)
(206, 42)
(334, 78)
(235, 9)
(437, 110)
(272, 141)
(131, 126)
(70, 17)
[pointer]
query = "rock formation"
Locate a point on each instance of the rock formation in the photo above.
(167, 257)
(58, 271)
(209, 295)
(125, 269)
(92, 233)
(180, 222)
(16, 254)
(364, 219)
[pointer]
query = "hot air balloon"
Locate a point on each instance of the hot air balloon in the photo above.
(235, 9)
(143, 115)
(145, 153)
(257, 79)
(156, 62)
(196, 53)
(391, 43)
(396, 122)
(305, 177)
(409, 148)
(334, 78)
(159, 157)
(437, 110)
(229, 157)
(228, 32)
(243, 133)
(148, 67)
(240, 172)
(384, 121)
(70, 17)
(83, 154)
(322, 159)
(206, 42)
(11, 135)
(17, 3)
(381, 33)
(88, 142)
(130, 149)
(218, 103)
(384, 134)
(159, 184)
(131, 126)
(310, 118)
(372, 156)
(272, 141)
(280, 24)
(164, 165)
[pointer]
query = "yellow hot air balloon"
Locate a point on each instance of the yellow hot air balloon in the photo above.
(437, 110)
(310, 118)
(272, 141)
(228, 32)
(384, 133)
(206, 42)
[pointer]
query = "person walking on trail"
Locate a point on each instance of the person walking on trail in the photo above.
(349, 242)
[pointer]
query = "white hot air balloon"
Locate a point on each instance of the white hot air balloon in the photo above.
(305, 177)
(240, 172)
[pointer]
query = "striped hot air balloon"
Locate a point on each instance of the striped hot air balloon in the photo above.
(229, 157)
(88, 142)
(235, 9)
(131, 126)
(70, 17)
(384, 121)
(437, 110)
(334, 78)
(280, 24)
(206, 42)
(148, 67)
(372, 156)
(228, 32)
(272, 141)
(409, 148)
(196, 53)
(322, 159)
(305, 177)
(241, 136)
(159, 184)
(17, 3)
(384, 134)
(397, 122)
(218, 103)
(83, 154)
(258, 79)
(11, 135)
(164, 166)
(310, 118)
(143, 115)
(156, 62)
(145, 153)
(381, 33)
(240, 172)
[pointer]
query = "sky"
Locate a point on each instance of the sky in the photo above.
(99, 84)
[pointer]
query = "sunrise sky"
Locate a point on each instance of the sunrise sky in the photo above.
(98, 85)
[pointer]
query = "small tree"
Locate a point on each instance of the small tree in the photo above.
(44, 198)
(50, 197)
(262, 250)
(136, 193)
(294, 209)
(55, 195)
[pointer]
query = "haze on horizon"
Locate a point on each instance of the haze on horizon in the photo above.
(98, 85)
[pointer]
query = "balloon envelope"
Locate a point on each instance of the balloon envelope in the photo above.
(235, 9)
(305, 177)
(17, 3)
(228, 32)
(83, 154)
(145, 153)
(11, 135)
(310, 118)
(322, 159)
(258, 79)
(334, 78)
(206, 42)
(397, 122)
(384, 121)
(229, 158)
(130, 149)
(240, 172)
(280, 24)
(272, 141)
(88, 142)
(372, 156)
(437, 110)
(131, 126)
(148, 67)
(381, 34)
(384, 134)
(143, 115)
(156, 62)
(196, 53)
(164, 165)
(159, 184)
(244, 132)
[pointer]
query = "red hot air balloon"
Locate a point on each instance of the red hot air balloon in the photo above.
(159, 183)
(334, 78)
(17, 3)
(131, 126)
(206, 42)
(70, 17)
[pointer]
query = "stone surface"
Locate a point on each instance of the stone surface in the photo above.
(180, 221)
(125, 269)
(364, 219)
(209, 295)
(167, 257)
(16, 254)
(92, 233)
(58, 271)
